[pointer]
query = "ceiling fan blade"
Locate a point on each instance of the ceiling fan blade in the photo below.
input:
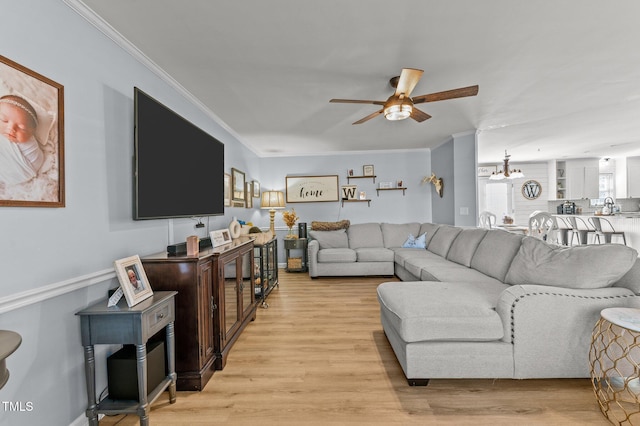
(369, 117)
(357, 101)
(447, 94)
(419, 116)
(409, 77)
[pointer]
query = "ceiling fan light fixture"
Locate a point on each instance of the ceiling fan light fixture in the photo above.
(397, 112)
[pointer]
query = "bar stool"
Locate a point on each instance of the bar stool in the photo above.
(579, 229)
(604, 228)
(563, 230)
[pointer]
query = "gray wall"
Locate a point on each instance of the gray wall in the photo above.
(456, 162)
(56, 261)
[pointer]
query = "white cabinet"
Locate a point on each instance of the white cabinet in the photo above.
(557, 171)
(633, 177)
(582, 179)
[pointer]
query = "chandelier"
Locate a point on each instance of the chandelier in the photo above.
(506, 173)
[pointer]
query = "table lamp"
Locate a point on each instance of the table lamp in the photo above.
(272, 200)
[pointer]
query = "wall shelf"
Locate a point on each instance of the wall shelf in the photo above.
(362, 177)
(368, 201)
(403, 189)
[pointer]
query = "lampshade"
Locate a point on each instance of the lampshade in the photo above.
(272, 200)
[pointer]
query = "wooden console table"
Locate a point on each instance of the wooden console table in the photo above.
(121, 324)
(215, 302)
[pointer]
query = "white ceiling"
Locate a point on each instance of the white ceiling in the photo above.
(558, 78)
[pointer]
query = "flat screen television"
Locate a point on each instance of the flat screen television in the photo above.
(178, 167)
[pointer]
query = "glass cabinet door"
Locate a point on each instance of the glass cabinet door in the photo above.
(230, 270)
(248, 293)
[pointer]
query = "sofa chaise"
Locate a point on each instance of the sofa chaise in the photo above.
(477, 303)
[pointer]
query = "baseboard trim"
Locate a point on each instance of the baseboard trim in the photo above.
(29, 297)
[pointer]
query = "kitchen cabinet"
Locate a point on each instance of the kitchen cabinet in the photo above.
(633, 177)
(582, 178)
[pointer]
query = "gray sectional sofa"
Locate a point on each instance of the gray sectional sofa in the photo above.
(482, 303)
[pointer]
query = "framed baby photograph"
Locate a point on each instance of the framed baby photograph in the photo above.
(31, 138)
(133, 280)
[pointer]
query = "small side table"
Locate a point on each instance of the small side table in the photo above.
(614, 356)
(121, 324)
(296, 263)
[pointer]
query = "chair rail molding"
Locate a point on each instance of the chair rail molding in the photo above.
(29, 297)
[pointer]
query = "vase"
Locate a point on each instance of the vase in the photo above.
(290, 234)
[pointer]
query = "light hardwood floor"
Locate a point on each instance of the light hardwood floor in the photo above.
(318, 356)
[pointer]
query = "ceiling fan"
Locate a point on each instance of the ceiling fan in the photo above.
(400, 105)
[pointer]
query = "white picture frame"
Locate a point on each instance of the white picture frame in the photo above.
(133, 279)
(220, 237)
(368, 170)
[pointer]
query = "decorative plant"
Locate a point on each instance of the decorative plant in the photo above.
(290, 218)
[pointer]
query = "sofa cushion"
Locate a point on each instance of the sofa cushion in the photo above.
(586, 266)
(465, 245)
(495, 253)
(365, 235)
(442, 240)
(337, 255)
(395, 234)
(401, 255)
(442, 311)
(429, 229)
(374, 254)
(330, 239)
(631, 279)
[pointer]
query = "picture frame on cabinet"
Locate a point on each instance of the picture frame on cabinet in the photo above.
(37, 180)
(133, 280)
(220, 237)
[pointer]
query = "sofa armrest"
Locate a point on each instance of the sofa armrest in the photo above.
(312, 253)
(551, 327)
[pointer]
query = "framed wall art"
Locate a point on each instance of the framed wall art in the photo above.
(367, 170)
(32, 150)
(248, 192)
(486, 171)
(237, 185)
(133, 280)
(227, 190)
(255, 188)
(312, 189)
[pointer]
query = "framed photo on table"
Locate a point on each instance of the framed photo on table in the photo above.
(133, 280)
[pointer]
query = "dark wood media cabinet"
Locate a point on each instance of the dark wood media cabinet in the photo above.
(215, 302)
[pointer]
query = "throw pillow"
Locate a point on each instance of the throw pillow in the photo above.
(413, 242)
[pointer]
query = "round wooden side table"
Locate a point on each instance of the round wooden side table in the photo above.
(9, 342)
(614, 357)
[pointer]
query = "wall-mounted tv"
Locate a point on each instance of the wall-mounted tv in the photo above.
(178, 167)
